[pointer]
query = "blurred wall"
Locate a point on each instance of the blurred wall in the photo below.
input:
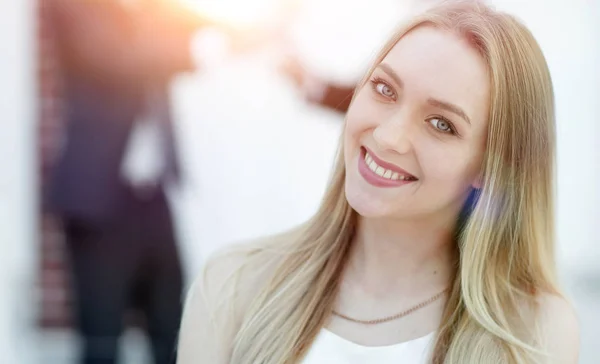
(568, 34)
(17, 178)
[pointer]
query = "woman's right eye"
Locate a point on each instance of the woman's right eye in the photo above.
(383, 88)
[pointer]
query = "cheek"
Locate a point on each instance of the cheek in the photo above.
(352, 130)
(449, 166)
(361, 117)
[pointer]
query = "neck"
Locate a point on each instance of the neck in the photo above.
(390, 256)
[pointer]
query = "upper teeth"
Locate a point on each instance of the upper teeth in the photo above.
(385, 173)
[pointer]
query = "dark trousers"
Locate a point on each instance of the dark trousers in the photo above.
(131, 262)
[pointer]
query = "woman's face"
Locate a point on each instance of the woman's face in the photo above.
(416, 131)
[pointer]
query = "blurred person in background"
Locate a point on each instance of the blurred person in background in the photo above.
(315, 89)
(119, 155)
(434, 242)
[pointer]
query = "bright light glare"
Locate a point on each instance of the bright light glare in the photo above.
(236, 12)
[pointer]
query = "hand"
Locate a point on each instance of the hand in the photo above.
(311, 87)
(293, 69)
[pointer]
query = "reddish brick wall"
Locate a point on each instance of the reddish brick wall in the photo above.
(55, 296)
(53, 284)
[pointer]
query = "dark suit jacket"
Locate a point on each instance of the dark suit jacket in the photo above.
(108, 67)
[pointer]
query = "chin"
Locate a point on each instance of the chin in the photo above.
(365, 205)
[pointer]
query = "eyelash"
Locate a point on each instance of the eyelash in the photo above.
(376, 81)
(452, 130)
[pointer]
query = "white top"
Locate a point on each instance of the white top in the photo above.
(143, 161)
(330, 348)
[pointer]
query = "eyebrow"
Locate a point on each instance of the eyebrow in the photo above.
(449, 107)
(433, 102)
(387, 69)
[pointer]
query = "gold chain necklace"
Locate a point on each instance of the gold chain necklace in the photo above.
(394, 317)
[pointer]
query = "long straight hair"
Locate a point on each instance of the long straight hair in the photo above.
(505, 243)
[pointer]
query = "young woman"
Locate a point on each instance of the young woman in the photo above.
(435, 239)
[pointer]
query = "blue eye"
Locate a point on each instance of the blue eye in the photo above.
(383, 88)
(442, 125)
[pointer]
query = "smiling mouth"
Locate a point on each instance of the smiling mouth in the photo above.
(385, 170)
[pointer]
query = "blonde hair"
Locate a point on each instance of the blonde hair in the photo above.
(505, 242)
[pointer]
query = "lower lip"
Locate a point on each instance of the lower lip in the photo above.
(373, 178)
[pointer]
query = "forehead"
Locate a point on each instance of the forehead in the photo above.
(435, 63)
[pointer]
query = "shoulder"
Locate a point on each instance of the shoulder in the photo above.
(214, 305)
(559, 327)
(230, 276)
(218, 270)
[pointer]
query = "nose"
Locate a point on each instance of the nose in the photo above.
(395, 134)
